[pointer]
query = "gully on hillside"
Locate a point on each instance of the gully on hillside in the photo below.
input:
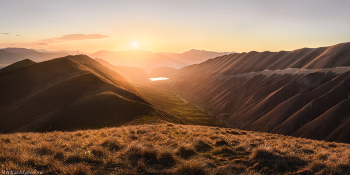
(301, 93)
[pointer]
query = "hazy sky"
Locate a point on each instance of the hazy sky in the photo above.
(173, 26)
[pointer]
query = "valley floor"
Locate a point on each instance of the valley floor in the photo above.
(170, 149)
(158, 94)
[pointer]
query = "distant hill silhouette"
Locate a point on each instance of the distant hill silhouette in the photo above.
(133, 74)
(194, 56)
(142, 59)
(302, 93)
(163, 72)
(70, 93)
(12, 55)
(18, 64)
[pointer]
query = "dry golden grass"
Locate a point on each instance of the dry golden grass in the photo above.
(170, 149)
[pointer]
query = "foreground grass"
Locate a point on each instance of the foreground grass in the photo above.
(159, 94)
(170, 149)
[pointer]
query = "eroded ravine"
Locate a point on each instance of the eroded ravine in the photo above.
(279, 92)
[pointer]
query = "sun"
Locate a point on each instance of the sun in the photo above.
(134, 44)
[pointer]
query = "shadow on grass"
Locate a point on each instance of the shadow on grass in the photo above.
(270, 161)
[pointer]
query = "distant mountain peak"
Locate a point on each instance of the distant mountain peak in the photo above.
(195, 56)
(19, 50)
(146, 60)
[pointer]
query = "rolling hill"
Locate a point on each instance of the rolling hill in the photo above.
(301, 93)
(70, 93)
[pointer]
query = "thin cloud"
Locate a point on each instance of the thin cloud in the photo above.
(18, 35)
(75, 37)
(54, 43)
(5, 33)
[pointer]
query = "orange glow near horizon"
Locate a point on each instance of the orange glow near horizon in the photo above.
(180, 44)
(173, 26)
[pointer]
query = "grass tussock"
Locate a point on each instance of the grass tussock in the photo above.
(136, 152)
(45, 149)
(170, 149)
(270, 160)
(221, 142)
(230, 169)
(167, 159)
(186, 151)
(192, 167)
(112, 144)
(202, 145)
(224, 151)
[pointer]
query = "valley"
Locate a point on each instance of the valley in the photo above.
(158, 93)
(87, 116)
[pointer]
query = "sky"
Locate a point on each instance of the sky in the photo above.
(173, 26)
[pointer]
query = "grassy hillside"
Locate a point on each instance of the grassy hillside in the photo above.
(66, 94)
(170, 149)
(158, 94)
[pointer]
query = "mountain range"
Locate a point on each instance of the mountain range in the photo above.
(133, 58)
(149, 60)
(303, 93)
(142, 59)
(12, 55)
(194, 56)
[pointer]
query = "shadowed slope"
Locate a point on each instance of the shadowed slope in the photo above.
(327, 123)
(73, 92)
(286, 109)
(280, 92)
(16, 85)
(104, 72)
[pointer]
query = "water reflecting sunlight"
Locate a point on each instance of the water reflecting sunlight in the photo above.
(159, 78)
